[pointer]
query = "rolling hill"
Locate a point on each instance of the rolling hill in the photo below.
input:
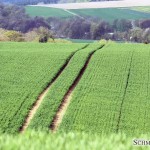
(108, 14)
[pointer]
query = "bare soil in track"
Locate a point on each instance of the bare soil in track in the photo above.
(68, 96)
(41, 97)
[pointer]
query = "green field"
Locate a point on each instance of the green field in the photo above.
(116, 80)
(107, 14)
(47, 12)
(142, 9)
(107, 89)
(110, 14)
(81, 41)
(58, 90)
(26, 69)
(69, 141)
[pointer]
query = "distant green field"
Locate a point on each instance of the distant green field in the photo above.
(47, 12)
(108, 14)
(142, 9)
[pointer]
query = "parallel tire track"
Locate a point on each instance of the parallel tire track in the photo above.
(42, 95)
(67, 98)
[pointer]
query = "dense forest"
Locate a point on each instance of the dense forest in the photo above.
(14, 18)
(33, 2)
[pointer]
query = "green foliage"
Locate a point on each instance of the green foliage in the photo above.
(26, 69)
(112, 95)
(103, 41)
(14, 17)
(59, 89)
(68, 141)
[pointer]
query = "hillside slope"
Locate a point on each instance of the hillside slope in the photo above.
(107, 14)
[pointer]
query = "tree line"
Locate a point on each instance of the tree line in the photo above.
(14, 18)
(95, 29)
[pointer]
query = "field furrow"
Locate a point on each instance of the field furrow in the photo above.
(50, 105)
(26, 69)
(43, 94)
(67, 98)
(75, 87)
(126, 86)
(135, 113)
(95, 105)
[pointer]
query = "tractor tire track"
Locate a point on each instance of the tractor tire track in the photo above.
(67, 98)
(42, 95)
(125, 91)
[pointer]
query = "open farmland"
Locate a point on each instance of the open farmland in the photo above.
(25, 70)
(91, 88)
(110, 14)
(47, 12)
(142, 9)
(113, 95)
(107, 14)
(59, 89)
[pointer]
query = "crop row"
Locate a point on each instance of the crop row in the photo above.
(135, 110)
(97, 102)
(52, 101)
(25, 70)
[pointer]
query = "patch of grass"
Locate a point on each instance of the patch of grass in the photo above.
(110, 14)
(32, 140)
(142, 9)
(107, 14)
(81, 41)
(47, 12)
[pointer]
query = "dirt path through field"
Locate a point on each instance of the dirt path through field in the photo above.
(72, 13)
(67, 98)
(41, 97)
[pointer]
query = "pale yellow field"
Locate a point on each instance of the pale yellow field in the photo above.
(105, 4)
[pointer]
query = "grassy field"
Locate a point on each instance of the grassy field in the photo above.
(69, 141)
(113, 93)
(142, 9)
(108, 104)
(59, 89)
(81, 41)
(26, 69)
(108, 14)
(47, 12)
